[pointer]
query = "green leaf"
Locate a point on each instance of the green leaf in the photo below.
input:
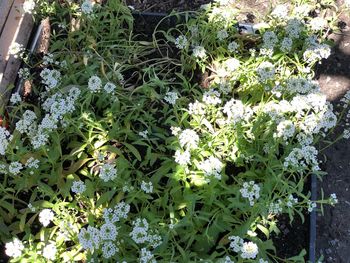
(134, 151)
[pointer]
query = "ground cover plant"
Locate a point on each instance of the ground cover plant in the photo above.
(186, 148)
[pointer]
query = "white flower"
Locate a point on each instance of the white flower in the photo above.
(333, 199)
(181, 42)
(5, 139)
(144, 134)
(189, 139)
(50, 251)
(249, 250)
(46, 216)
(108, 231)
(285, 130)
(251, 191)
(211, 97)
(275, 208)
(108, 172)
(175, 130)
(293, 28)
(171, 97)
(232, 64)
(236, 243)
(24, 73)
(317, 52)
(16, 50)
(233, 46)
(222, 34)
(146, 256)
(119, 212)
(78, 187)
(291, 200)
(270, 40)
(318, 23)
(14, 248)
(266, 71)
(89, 238)
(147, 187)
(235, 110)
(87, 7)
(15, 168)
(286, 44)
(196, 108)
(211, 167)
(199, 52)
(94, 84)
(109, 87)
(311, 206)
(31, 207)
(28, 6)
(50, 78)
(15, 98)
(182, 158)
(109, 249)
(280, 11)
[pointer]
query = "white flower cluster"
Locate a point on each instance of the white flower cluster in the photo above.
(16, 50)
(276, 208)
(211, 97)
(285, 130)
(147, 187)
(211, 167)
(14, 248)
(24, 73)
(301, 158)
(232, 47)
(301, 85)
(5, 140)
(189, 139)
(109, 87)
(108, 231)
(318, 23)
(222, 34)
(109, 249)
(15, 168)
(232, 64)
(120, 211)
(89, 238)
(87, 7)
(181, 42)
(49, 252)
(286, 44)
(32, 163)
(141, 233)
(316, 52)
(199, 52)
(266, 71)
(251, 191)
(146, 256)
(50, 78)
(196, 108)
(248, 250)
(294, 28)
(311, 206)
(15, 98)
(291, 200)
(78, 187)
(171, 97)
(46, 216)
(333, 199)
(108, 172)
(144, 134)
(236, 111)
(270, 40)
(182, 157)
(28, 6)
(280, 12)
(94, 84)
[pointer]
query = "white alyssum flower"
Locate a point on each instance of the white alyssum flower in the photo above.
(199, 52)
(50, 78)
(181, 42)
(275, 208)
(147, 187)
(333, 199)
(108, 231)
(89, 238)
(189, 139)
(346, 134)
(14, 248)
(171, 97)
(301, 85)
(232, 47)
(109, 87)
(46, 216)
(266, 71)
(120, 211)
(175, 130)
(270, 39)
(222, 34)
(94, 84)
(87, 7)
(5, 140)
(236, 243)
(49, 252)
(108, 172)
(211, 167)
(232, 64)
(286, 44)
(316, 53)
(15, 98)
(31, 207)
(227, 259)
(16, 50)
(285, 130)
(146, 256)
(280, 12)
(249, 250)
(301, 158)
(109, 249)
(24, 73)
(182, 157)
(318, 23)
(311, 206)
(15, 168)
(28, 6)
(48, 59)
(144, 134)
(291, 200)
(211, 97)
(294, 28)
(78, 187)
(235, 110)
(196, 108)
(251, 191)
